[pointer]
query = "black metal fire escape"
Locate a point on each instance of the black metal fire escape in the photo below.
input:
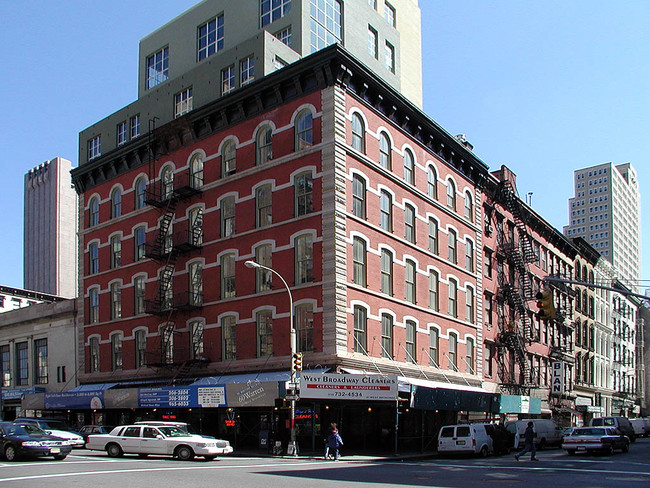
(515, 289)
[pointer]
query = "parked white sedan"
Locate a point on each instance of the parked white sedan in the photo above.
(157, 440)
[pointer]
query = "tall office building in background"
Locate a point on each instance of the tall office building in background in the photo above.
(50, 234)
(605, 212)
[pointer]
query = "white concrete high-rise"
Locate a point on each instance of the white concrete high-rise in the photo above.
(50, 230)
(606, 212)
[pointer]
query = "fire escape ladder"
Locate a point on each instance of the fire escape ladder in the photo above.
(513, 204)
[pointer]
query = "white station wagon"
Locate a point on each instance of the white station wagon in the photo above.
(161, 440)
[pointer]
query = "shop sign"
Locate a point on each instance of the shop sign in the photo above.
(74, 400)
(252, 393)
(178, 397)
(557, 377)
(348, 386)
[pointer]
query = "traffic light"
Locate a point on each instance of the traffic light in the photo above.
(296, 364)
(545, 305)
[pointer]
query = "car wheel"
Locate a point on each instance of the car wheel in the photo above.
(114, 450)
(10, 453)
(184, 453)
(210, 458)
(60, 457)
(483, 452)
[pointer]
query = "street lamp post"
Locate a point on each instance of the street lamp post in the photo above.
(292, 449)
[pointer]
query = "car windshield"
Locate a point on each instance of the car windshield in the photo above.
(54, 424)
(22, 429)
(578, 432)
(171, 431)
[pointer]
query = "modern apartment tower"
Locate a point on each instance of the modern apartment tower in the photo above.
(50, 233)
(605, 212)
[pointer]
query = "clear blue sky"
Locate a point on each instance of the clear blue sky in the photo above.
(544, 87)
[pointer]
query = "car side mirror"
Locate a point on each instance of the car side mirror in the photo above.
(159, 436)
(48, 432)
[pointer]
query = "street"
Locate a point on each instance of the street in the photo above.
(555, 469)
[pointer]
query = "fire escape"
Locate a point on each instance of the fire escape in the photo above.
(516, 290)
(166, 246)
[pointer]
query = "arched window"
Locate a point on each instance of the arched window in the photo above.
(359, 196)
(116, 203)
(93, 216)
(434, 347)
(196, 171)
(469, 256)
(228, 158)
(409, 167)
(304, 130)
(432, 183)
(451, 195)
(264, 145)
(303, 198)
(469, 304)
(410, 290)
(453, 298)
(358, 133)
(469, 207)
(386, 272)
(386, 336)
(140, 192)
(434, 291)
(386, 211)
(360, 329)
(453, 351)
(359, 259)
(385, 160)
(411, 336)
(167, 183)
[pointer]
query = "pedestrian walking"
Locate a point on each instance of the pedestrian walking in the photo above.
(334, 441)
(529, 443)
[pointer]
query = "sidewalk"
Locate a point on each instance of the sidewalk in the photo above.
(309, 455)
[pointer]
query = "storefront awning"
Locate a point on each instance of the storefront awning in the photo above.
(251, 377)
(95, 387)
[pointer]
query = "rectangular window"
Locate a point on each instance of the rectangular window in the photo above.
(263, 277)
(469, 256)
(360, 329)
(409, 223)
(116, 301)
(359, 197)
(140, 348)
(263, 202)
(411, 332)
(93, 299)
(228, 276)
(93, 347)
(451, 247)
(389, 13)
(434, 339)
(284, 36)
(325, 23)
(60, 374)
(453, 298)
(359, 262)
(264, 334)
(246, 70)
(93, 258)
(121, 133)
(22, 364)
(386, 272)
(469, 356)
(304, 251)
(40, 362)
(386, 211)
(5, 358)
(227, 216)
(157, 68)
(469, 305)
(227, 79)
(305, 327)
(135, 126)
(434, 283)
(116, 352)
(116, 252)
(303, 187)
(410, 277)
(389, 55)
(140, 242)
(373, 47)
(94, 147)
(433, 236)
(387, 336)
(183, 102)
(272, 10)
(228, 338)
(453, 352)
(210, 37)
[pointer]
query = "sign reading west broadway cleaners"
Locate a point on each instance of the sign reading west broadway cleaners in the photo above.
(348, 386)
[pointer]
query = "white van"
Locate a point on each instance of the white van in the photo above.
(465, 439)
(641, 427)
(548, 433)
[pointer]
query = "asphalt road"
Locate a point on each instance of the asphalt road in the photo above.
(554, 470)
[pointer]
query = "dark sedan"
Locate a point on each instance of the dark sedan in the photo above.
(591, 439)
(27, 440)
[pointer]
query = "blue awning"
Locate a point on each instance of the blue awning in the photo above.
(95, 387)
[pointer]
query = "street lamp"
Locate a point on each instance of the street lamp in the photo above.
(291, 449)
